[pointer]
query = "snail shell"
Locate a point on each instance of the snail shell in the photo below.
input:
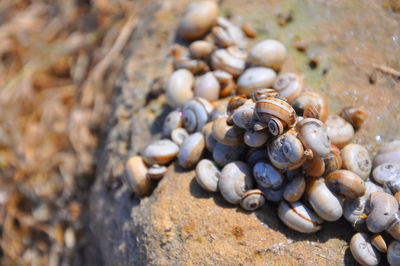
(156, 171)
(201, 49)
(274, 195)
(298, 217)
(356, 159)
(324, 203)
(197, 19)
(191, 150)
(379, 243)
(386, 172)
(210, 141)
(315, 167)
(243, 116)
(235, 102)
(263, 94)
(394, 227)
(268, 53)
(255, 138)
(276, 126)
(178, 135)
(228, 34)
(224, 154)
(289, 85)
(346, 183)
(294, 189)
(226, 82)
(219, 111)
(310, 98)
(362, 250)
(252, 200)
(136, 176)
(195, 66)
(393, 253)
(179, 88)
(196, 114)
(392, 187)
(383, 209)
(160, 152)
(275, 107)
(226, 134)
(312, 133)
(353, 115)
(388, 153)
(255, 78)
(208, 175)
(256, 155)
(207, 87)
(231, 60)
(353, 210)
(333, 161)
(267, 176)
(340, 132)
(171, 122)
(235, 180)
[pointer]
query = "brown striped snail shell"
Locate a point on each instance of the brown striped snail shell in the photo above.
(289, 85)
(197, 19)
(208, 175)
(235, 180)
(355, 116)
(379, 243)
(207, 87)
(312, 133)
(231, 60)
(255, 78)
(268, 53)
(346, 183)
(255, 139)
(393, 253)
(160, 152)
(210, 141)
(298, 217)
(178, 135)
(243, 115)
(383, 209)
(195, 66)
(235, 102)
(172, 121)
(191, 150)
(200, 49)
(156, 171)
(324, 203)
(136, 176)
(263, 93)
(275, 107)
(226, 134)
(252, 200)
(386, 172)
(294, 189)
(224, 154)
(388, 153)
(196, 114)
(340, 132)
(362, 250)
(267, 176)
(179, 88)
(276, 126)
(333, 161)
(356, 159)
(310, 98)
(226, 82)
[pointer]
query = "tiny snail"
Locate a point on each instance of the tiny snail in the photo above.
(136, 176)
(255, 78)
(252, 200)
(207, 175)
(160, 152)
(362, 250)
(191, 150)
(356, 159)
(340, 132)
(289, 85)
(268, 53)
(235, 180)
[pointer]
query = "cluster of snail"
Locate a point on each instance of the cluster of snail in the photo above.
(268, 140)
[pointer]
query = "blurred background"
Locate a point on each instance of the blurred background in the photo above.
(58, 62)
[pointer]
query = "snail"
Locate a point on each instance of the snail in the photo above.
(274, 195)
(263, 93)
(156, 171)
(255, 155)
(223, 154)
(268, 53)
(379, 243)
(394, 227)
(289, 85)
(136, 176)
(171, 122)
(298, 217)
(200, 49)
(196, 114)
(227, 34)
(255, 138)
(197, 19)
(207, 175)
(207, 87)
(191, 150)
(225, 134)
(312, 133)
(294, 189)
(226, 82)
(243, 115)
(383, 208)
(388, 153)
(362, 250)
(235, 180)
(252, 200)
(179, 88)
(210, 141)
(393, 253)
(355, 116)
(340, 132)
(356, 159)
(311, 99)
(315, 167)
(267, 176)
(346, 183)
(235, 102)
(160, 152)
(386, 172)
(178, 135)
(255, 78)
(231, 60)
(333, 161)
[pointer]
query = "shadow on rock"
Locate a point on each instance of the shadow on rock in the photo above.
(157, 125)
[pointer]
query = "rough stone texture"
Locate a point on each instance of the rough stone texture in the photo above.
(182, 224)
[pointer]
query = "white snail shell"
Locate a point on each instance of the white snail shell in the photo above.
(136, 176)
(386, 172)
(197, 19)
(208, 175)
(196, 114)
(294, 189)
(227, 34)
(267, 176)
(393, 253)
(362, 250)
(289, 85)
(255, 138)
(252, 200)
(383, 209)
(231, 60)
(313, 134)
(179, 88)
(178, 135)
(356, 158)
(235, 180)
(388, 153)
(243, 115)
(210, 141)
(268, 53)
(171, 122)
(340, 132)
(224, 154)
(226, 82)
(160, 152)
(226, 134)
(191, 150)
(156, 171)
(298, 217)
(201, 49)
(255, 78)
(207, 87)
